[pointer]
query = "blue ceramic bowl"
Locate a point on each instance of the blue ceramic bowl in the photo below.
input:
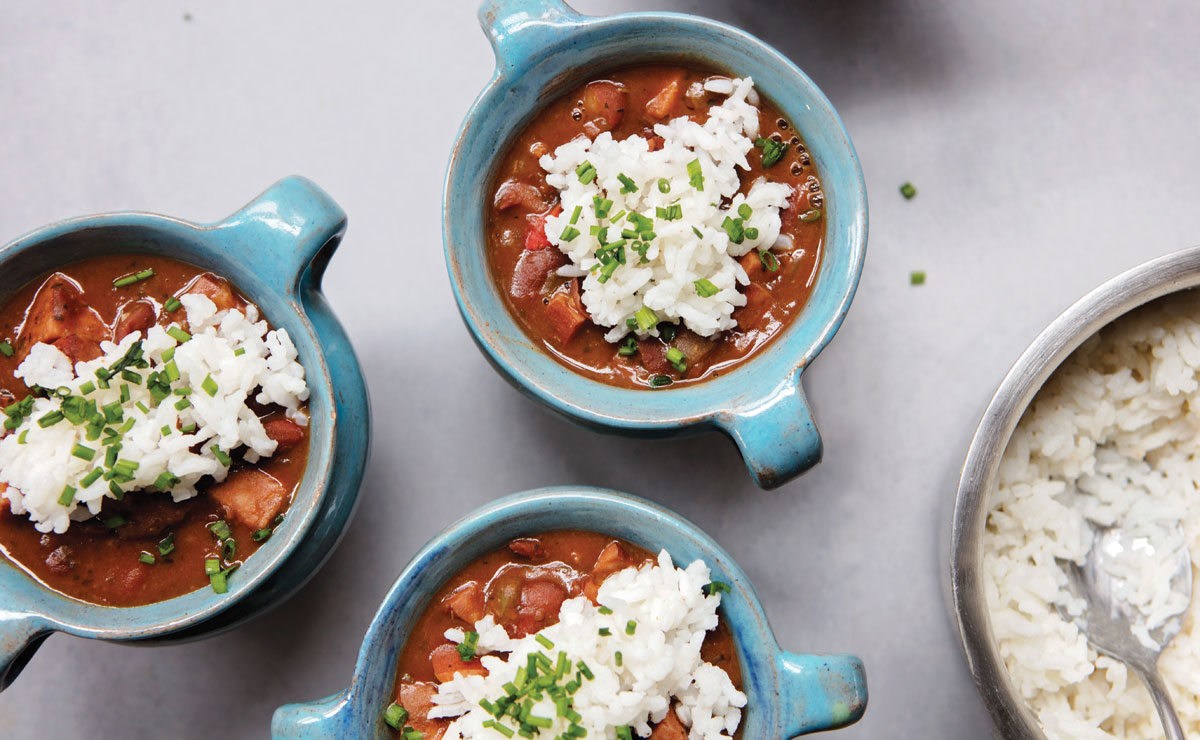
(788, 694)
(275, 250)
(544, 48)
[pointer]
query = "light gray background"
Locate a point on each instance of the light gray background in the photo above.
(1053, 145)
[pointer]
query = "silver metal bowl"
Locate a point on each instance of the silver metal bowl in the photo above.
(1154, 279)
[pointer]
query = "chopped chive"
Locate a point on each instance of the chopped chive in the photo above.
(716, 587)
(677, 359)
(239, 352)
(165, 481)
(212, 566)
(220, 529)
(182, 404)
(395, 716)
(261, 534)
(115, 489)
(50, 419)
(575, 215)
(745, 211)
(605, 632)
(188, 429)
(90, 478)
(178, 334)
(663, 185)
(21, 437)
(646, 318)
(585, 172)
(624, 732)
(601, 205)
(145, 274)
(569, 233)
(166, 545)
(908, 191)
(697, 232)
(146, 558)
(544, 641)
(660, 381)
(617, 658)
(142, 407)
(695, 174)
(220, 455)
(6, 349)
(605, 610)
(87, 388)
(630, 627)
(809, 216)
(209, 385)
(115, 521)
(166, 429)
(917, 277)
(83, 452)
(705, 288)
(768, 260)
(131, 376)
(67, 496)
(168, 354)
(172, 304)
(466, 649)
(172, 371)
(587, 672)
(773, 151)
(627, 184)
(733, 227)
(628, 347)
(752, 232)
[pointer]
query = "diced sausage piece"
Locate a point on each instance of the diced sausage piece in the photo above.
(661, 105)
(466, 602)
(753, 315)
(528, 547)
(134, 316)
(151, 514)
(693, 346)
(59, 310)
(604, 104)
(656, 143)
(753, 265)
(653, 354)
(532, 270)
(540, 600)
(78, 349)
(250, 497)
(417, 699)
(446, 662)
(610, 560)
(514, 192)
(535, 235)
(61, 561)
(218, 290)
(565, 313)
(286, 433)
(670, 728)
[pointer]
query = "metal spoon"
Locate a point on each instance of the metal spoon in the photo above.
(1109, 619)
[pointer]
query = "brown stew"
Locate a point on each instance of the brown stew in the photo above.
(99, 560)
(628, 102)
(522, 586)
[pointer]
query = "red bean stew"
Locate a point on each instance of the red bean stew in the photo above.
(522, 585)
(629, 102)
(144, 548)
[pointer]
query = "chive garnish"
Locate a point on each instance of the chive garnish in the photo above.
(146, 558)
(630, 627)
(705, 288)
(115, 521)
(646, 318)
(166, 545)
(221, 456)
(628, 347)
(466, 649)
(172, 304)
(165, 481)
(209, 385)
(544, 641)
(768, 260)
(605, 632)
(773, 151)
(220, 529)
(67, 496)
(585, 172)
(627, 184)
(809, 216)
(178, 334)
(660, 381)
(395, 716)
(569, 233)
(677, 359)
(745, 211)
(908, 191)
(695, 175)
(917, 277)
(716, 587)
(6, 349)
(605, 610)
(663, 185)
(137, 277)
(50, 419)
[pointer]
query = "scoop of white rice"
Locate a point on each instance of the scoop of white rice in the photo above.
(231, 352)
(1110, 440)
(659, 662)
(694, 246)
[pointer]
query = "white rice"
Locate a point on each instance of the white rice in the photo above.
(1111, 439)
(677, 257)
(660, 661)
(37, 463)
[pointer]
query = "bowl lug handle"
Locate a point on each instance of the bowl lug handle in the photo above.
(519, 28)
(778, 438)
(288, 233)
(20, 637)
(315, 720)
(820, 692)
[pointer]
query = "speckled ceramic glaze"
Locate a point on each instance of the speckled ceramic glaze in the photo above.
(542, 49)
(788, 694)
(275, 250)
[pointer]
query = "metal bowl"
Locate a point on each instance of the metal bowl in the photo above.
(1155, 279)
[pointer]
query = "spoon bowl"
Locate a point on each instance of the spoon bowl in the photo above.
(1114, 617)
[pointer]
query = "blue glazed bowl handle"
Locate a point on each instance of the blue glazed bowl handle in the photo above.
(287, 234)
(778, 438)
(317, 720)
(820, 692)
(20, 637)
(518, 29)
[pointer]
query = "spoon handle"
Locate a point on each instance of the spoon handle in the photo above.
(1162, 701)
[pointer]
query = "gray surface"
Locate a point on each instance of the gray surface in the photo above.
(1053, 145)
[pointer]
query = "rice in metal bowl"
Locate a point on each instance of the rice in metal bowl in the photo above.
(1111, 439)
